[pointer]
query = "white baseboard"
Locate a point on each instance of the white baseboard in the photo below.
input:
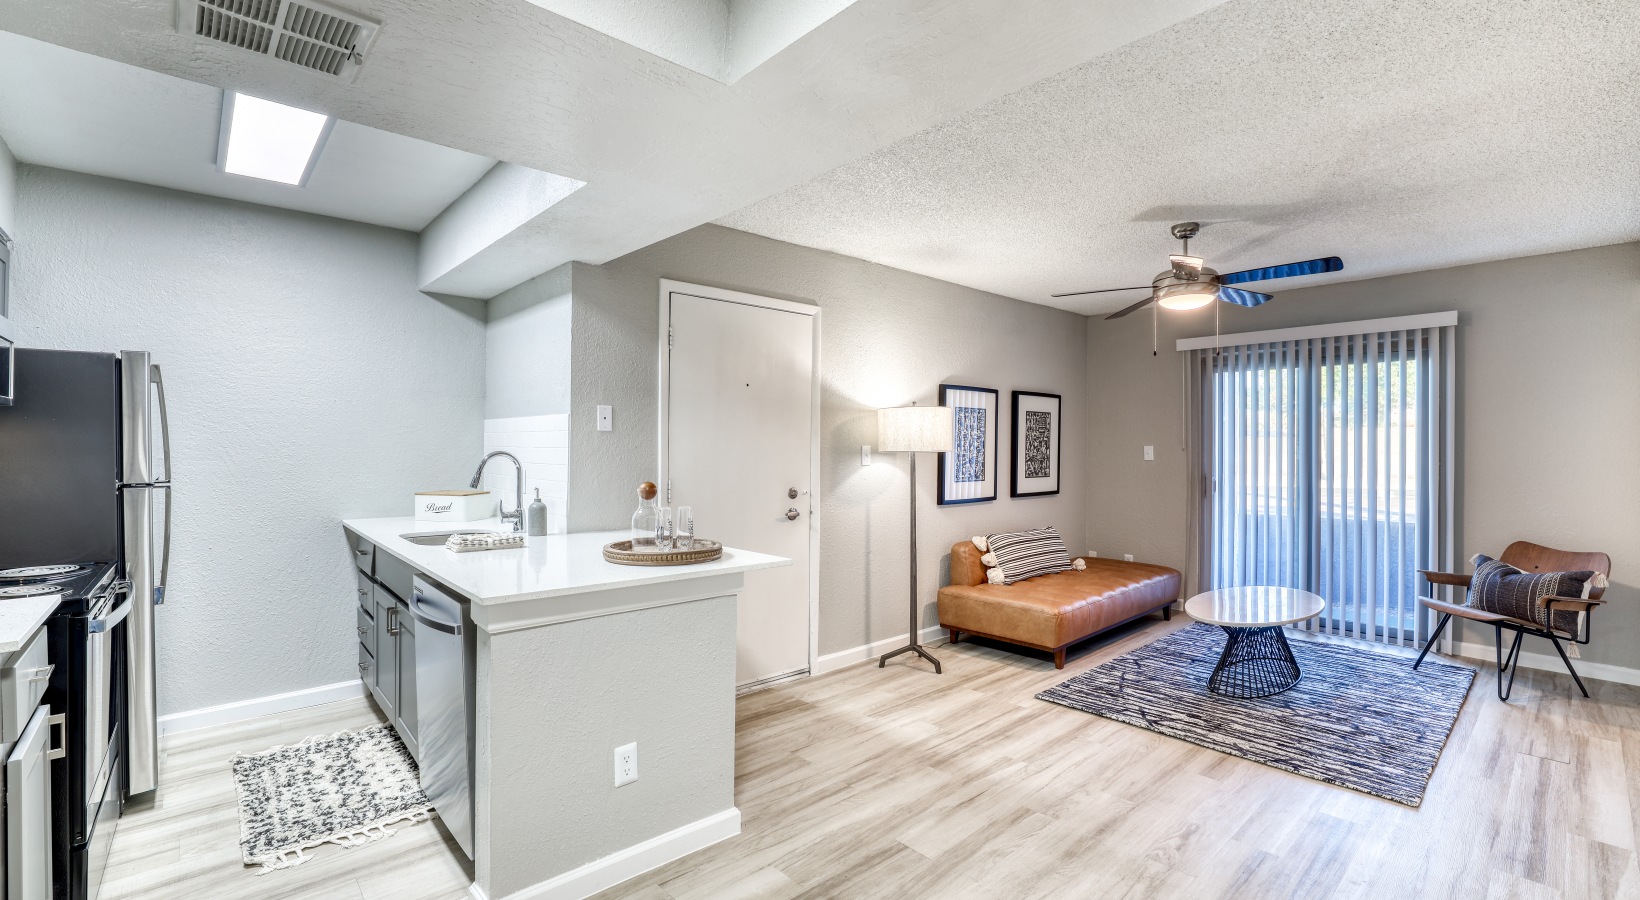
(260, 706)
(629, 863)
(1551, 663)
(842, 659)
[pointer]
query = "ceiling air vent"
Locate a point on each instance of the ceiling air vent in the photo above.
(308, 33)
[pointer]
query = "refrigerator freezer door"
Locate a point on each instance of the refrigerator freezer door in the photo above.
(142, 709)
(136, 418)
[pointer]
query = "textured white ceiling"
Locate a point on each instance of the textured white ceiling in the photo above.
(80, 112)
(661, 148)
(1398, 135)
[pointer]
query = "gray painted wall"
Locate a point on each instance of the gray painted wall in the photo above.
(1547, 418)
(8, 190)
(527, 361)
(309, 380)
(888, 337)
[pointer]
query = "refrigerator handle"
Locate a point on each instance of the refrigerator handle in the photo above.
(164, 429)
(165, 553)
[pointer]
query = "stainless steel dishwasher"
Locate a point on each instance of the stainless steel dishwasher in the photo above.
(444, 710)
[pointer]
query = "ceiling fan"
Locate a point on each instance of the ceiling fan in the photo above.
(1188, 284)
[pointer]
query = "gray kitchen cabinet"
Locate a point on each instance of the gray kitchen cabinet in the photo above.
(387, 646)
(387, 638)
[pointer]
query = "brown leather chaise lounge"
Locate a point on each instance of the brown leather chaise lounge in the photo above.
(1051, 612)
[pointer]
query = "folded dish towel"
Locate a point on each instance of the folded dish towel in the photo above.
(468, 542)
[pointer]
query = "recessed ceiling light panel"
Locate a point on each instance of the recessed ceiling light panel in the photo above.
(270, 141)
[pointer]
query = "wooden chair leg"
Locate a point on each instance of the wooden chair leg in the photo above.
(954, 634)
(1059, 658)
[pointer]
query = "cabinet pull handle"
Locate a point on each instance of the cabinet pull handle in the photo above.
(362, 592)
(43, 673)
(59, 726)
(363, 666)
(362, 552)
(364, 629)
(393, 620)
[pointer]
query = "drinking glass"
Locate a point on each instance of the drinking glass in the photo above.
(683, 527)
(663, 528)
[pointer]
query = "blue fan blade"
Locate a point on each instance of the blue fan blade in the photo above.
(1241, 297)
(1309, 267)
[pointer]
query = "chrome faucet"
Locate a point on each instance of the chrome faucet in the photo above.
(516, 517)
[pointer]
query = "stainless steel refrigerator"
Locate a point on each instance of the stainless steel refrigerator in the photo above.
(85, 478)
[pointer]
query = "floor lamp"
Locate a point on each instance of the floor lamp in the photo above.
(913, 430)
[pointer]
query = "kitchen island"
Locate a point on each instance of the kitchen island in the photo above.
(570, 657)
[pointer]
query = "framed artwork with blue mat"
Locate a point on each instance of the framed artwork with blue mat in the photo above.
(968, 473)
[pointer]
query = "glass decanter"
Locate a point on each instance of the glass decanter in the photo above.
(646, 519)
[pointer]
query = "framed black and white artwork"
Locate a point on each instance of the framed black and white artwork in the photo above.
(968, 474)
(1037, 422)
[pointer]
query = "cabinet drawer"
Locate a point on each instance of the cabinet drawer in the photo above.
(365, 601)
(367, 631)
(367, 665)
(23, 682)
(364, 553)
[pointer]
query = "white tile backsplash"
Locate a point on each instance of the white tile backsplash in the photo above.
(541, 444)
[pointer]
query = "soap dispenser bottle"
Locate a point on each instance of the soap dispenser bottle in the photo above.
(535, 518)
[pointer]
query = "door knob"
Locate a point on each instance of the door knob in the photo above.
(792, 513)
(791, 493)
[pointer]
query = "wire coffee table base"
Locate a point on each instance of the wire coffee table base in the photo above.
(1256, 662)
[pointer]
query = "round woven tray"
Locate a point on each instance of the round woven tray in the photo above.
(621, 553)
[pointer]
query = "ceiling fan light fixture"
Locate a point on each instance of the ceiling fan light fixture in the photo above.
(1191, 295)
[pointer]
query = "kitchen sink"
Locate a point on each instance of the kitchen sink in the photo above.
(437, 538)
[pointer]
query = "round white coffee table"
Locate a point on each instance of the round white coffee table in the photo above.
(1257, 661)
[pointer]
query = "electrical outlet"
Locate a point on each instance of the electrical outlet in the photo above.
(1150, 453)
(606, 418)
(626, 764)
(865, 454)
(1128, 557)
(1093, 554)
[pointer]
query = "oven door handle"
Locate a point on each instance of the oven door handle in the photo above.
(98, 626)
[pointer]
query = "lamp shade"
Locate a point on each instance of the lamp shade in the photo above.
(926, 429)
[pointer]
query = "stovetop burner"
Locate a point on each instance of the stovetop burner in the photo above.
(34, 574)
(29, 590)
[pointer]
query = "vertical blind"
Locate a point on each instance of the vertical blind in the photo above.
(1326, 464)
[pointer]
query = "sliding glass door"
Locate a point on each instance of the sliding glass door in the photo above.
(1325, 463)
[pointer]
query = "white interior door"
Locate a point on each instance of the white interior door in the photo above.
(739, 444)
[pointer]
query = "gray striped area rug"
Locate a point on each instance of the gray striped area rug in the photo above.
(1357, 718)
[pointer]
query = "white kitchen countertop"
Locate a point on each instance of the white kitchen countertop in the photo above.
(555, 565)
(20, 617)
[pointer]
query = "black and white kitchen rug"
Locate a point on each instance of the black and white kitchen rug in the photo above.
(1357, 718)
(344, 788)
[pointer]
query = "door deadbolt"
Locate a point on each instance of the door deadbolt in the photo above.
(791, 493)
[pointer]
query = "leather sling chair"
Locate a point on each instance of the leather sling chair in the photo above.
(1527, 557)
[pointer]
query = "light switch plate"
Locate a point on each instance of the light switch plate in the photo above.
(865, 454)
(606, 418)
(1150, 453)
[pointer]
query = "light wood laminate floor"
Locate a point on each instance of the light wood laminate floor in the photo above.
(898, 783)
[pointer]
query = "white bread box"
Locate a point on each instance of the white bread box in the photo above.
(454, 506)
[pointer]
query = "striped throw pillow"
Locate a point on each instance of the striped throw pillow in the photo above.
(1501, 588)
(1027, 554)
